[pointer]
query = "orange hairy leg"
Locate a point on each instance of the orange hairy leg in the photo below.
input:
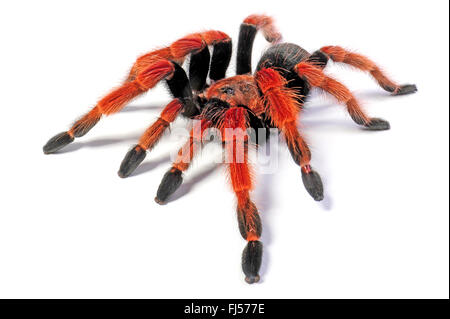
(178, 50)
(148, 70)
(150, 137)
(235, 138)
(338, 54)
(173, 177)
(180, 87)
(112, 103)
(315, 77)
(282, 107)
(167, 116)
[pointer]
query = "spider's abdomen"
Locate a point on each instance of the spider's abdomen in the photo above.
(284, 57)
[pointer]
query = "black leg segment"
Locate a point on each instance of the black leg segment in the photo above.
(134, 157)
(169, 184)
(313, 183)
(247, 35)
(251, 261)
(377, 124)
(57, 142)
(220, 60)
(318, 58)
(198, 69)
(405, 89)
(180, 88)
(179, 84)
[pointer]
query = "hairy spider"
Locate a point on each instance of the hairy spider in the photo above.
(271, 98)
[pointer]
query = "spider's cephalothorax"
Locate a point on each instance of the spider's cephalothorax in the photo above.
(272, 97)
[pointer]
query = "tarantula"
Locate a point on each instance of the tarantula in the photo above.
(271, 98)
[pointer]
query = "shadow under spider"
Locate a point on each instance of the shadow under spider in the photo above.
(308, 109)
(150, 165)
(136, 108)
(186, 187)
(264, 199)
(98, 143)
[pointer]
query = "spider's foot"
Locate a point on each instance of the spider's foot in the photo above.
(377, 124)
(252, 279)
(169, 184)
(313, 183)
(134, 157)
(251, 261)
(405, 89)
(57, 142)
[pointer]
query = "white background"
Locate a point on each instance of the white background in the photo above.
(70, 227)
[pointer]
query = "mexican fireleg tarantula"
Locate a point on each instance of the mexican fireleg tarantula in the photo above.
(271, 98)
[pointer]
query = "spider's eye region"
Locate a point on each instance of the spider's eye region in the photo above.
(227, 90)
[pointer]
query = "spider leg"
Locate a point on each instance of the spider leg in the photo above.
(148, 70)
(319, 59)
(236, 149)
(137, 153)
(180, 89)
(247, 33)
(173, 177)
(200, 64)
(210, 117)
(198, 69)
(317, 78)
(249, 220)
(112, 103)
(338, 54)
(301, 155)
(282, 107)
(178, 50)
(220, 60)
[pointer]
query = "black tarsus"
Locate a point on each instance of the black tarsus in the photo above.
(313, 184)
(251, 261)
(247, 33)
(57, 142)
(169, 184)
(377, 124)
(131, 161)
(406, 89)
